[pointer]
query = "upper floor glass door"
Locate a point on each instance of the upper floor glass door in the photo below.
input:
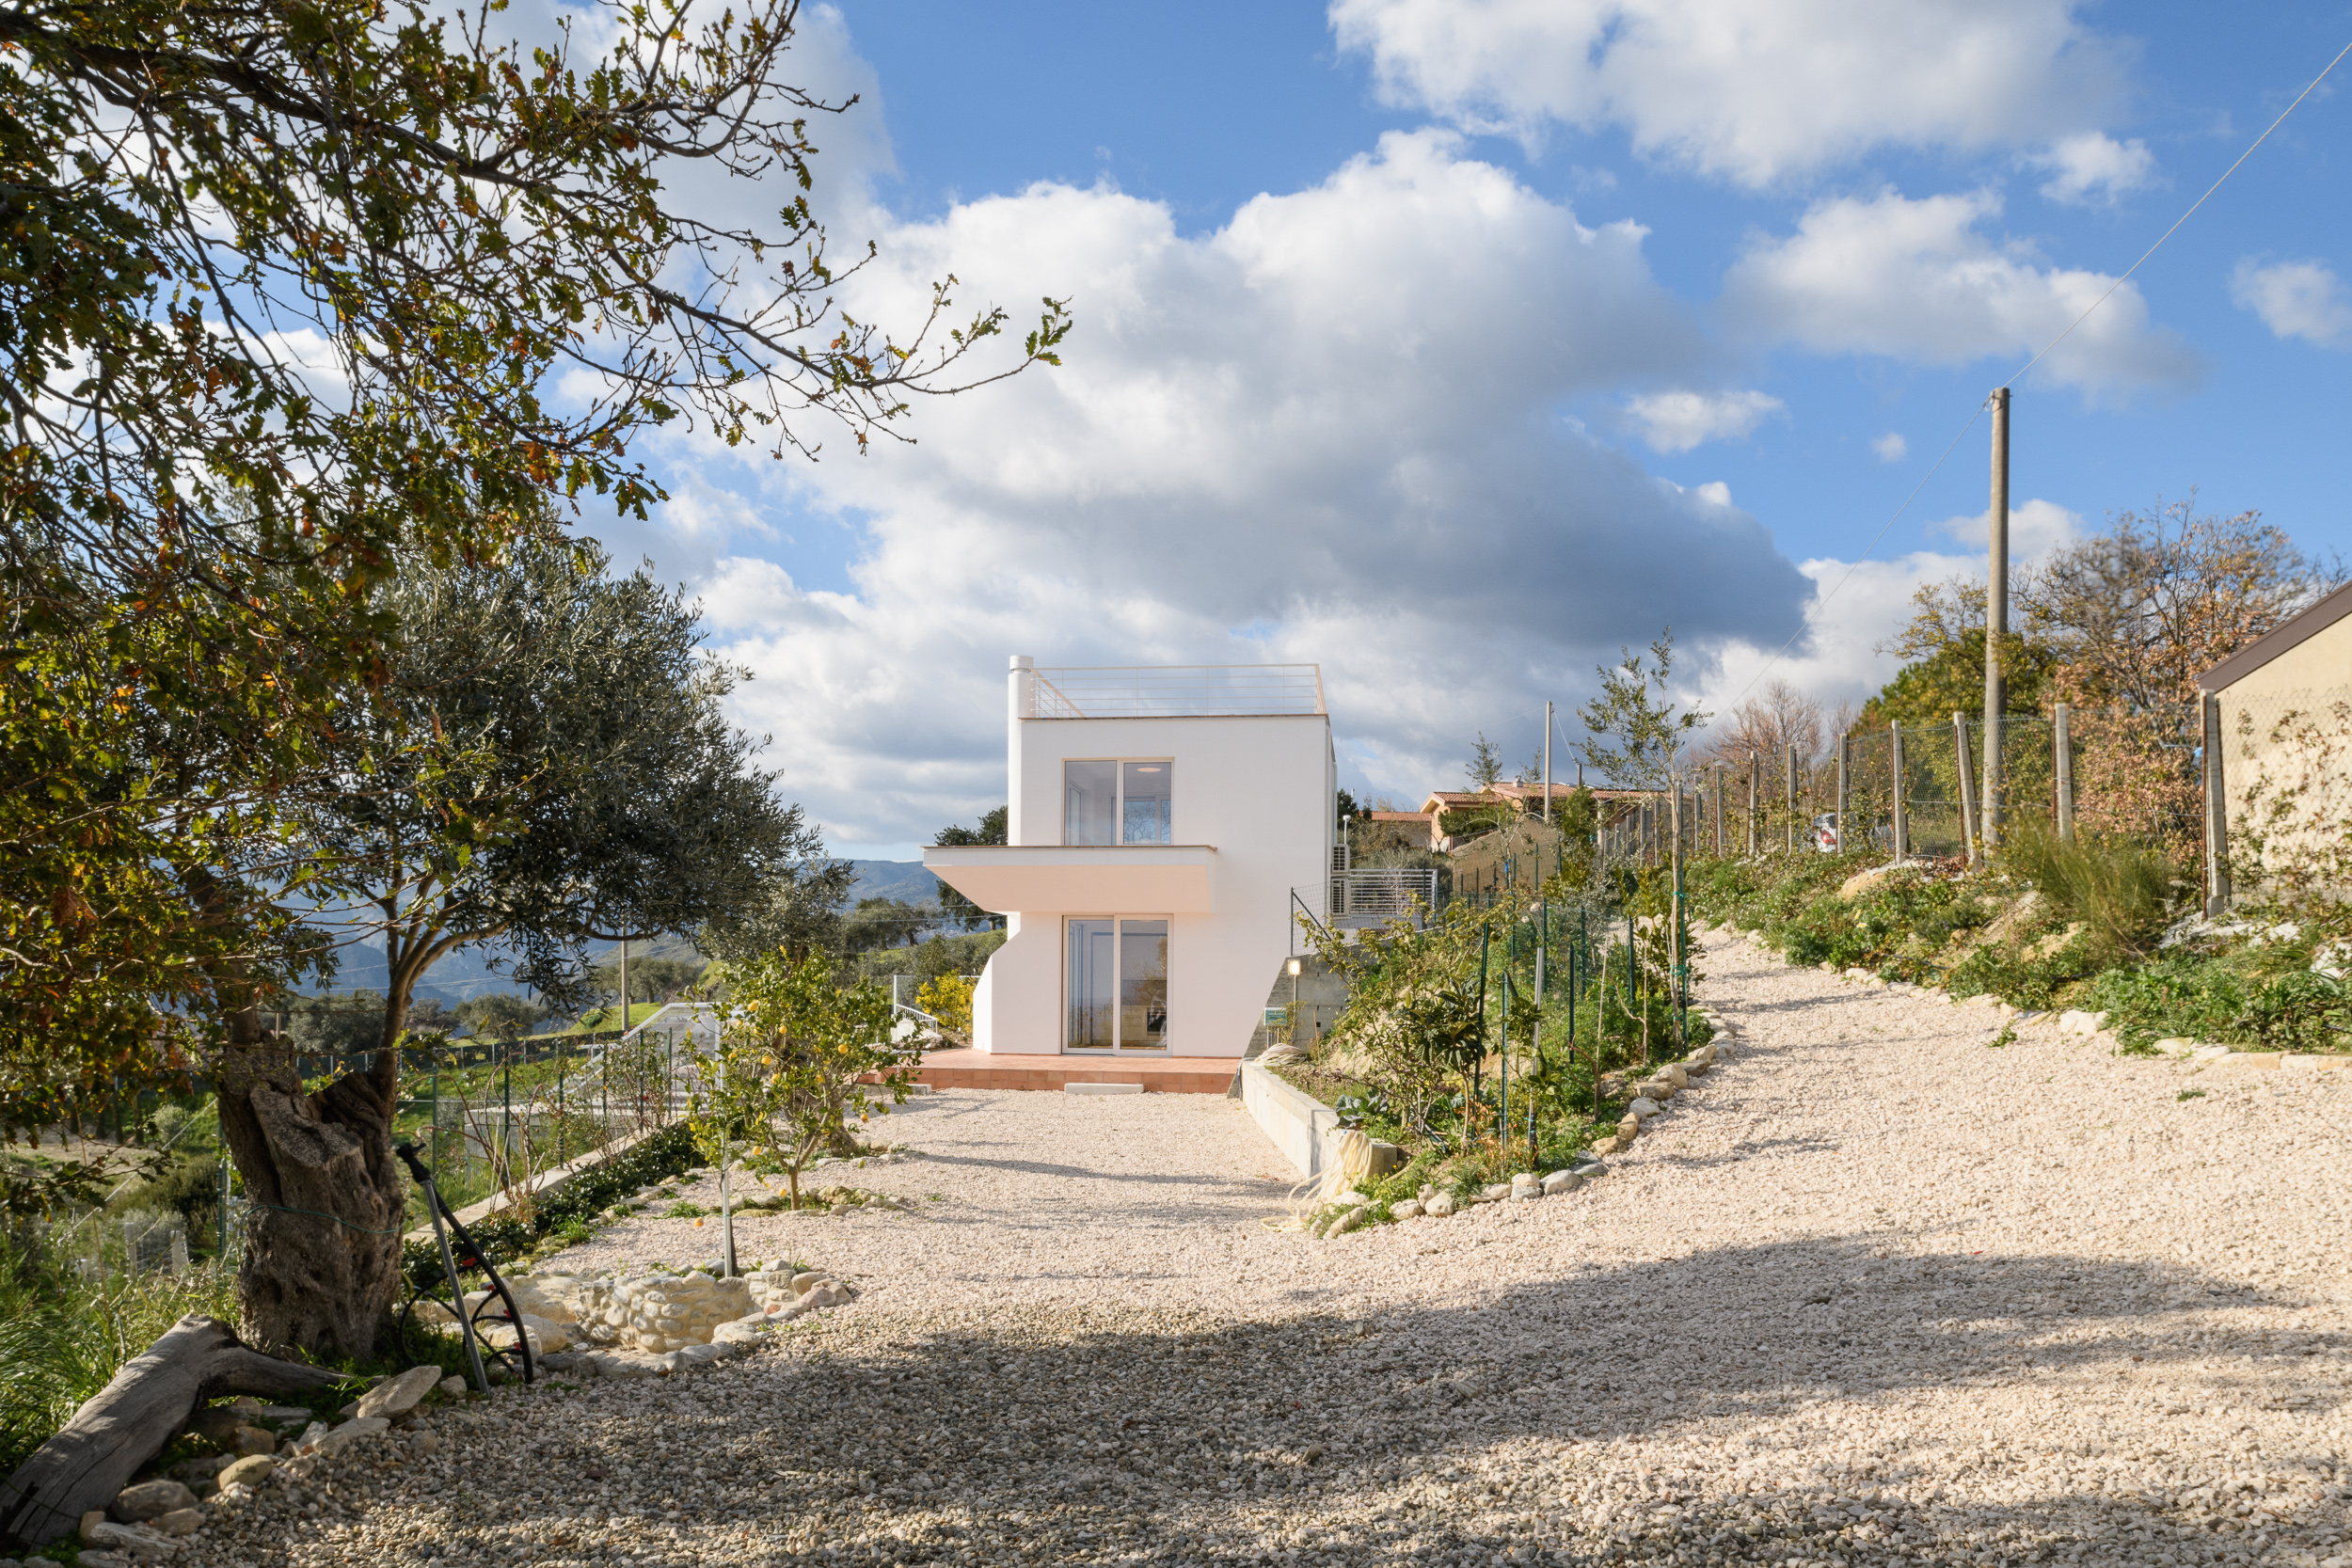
(1109, 802)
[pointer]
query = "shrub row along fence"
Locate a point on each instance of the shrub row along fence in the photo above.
(2240, 789)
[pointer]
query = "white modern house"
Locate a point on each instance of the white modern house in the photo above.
(1165, 825)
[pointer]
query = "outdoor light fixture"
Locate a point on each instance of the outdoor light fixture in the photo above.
(1294, 970)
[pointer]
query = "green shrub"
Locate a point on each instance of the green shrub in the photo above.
(2123, 892)
(2264, 996)
(62, 1335)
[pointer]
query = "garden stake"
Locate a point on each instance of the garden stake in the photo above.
(1502, 1116)
(1477, 1065)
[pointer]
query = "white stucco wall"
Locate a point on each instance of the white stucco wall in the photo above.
(1257, 789)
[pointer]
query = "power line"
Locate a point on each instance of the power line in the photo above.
(1822, 602)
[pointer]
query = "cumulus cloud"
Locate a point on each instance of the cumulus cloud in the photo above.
(1326, 432)
(1676, 422)
(1891, 446)
(2295, 299)
(1852, 607)
(1746, 93)
(2092, 169)
(1920, 281)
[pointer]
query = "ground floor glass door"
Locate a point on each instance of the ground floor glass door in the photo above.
(1117, 975)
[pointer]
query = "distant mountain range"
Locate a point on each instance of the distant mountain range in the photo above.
(467, 973)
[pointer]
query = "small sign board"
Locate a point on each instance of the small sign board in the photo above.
(1276, 1014)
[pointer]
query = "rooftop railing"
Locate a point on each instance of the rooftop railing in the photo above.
(1181, 691)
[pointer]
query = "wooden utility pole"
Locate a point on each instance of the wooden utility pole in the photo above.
(1995, 629)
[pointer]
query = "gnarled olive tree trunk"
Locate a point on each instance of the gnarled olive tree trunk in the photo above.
(322, 1253)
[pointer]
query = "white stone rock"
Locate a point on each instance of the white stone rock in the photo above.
(1643, 1109)
(1408, 1209)
(137, 1542)
(1527, 1184)
(556, 1297)
(397, 1396)
(1494, 1191)
(150, 1499)
(1562, 1182)
(1438, 1205)
(358, 1429)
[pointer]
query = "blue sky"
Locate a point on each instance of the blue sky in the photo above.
(1452, 343)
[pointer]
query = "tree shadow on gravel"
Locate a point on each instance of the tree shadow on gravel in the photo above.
(1596, 1417)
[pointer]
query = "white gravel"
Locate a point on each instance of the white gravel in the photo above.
(1871, 1292)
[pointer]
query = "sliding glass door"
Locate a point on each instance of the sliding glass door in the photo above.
(1117, 976)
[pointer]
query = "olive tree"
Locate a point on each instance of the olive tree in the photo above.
(286, 288)
(546, 765)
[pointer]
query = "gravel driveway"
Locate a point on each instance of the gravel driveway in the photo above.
(1873, 1292)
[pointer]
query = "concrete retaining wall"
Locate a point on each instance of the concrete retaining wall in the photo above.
(1302, 1127)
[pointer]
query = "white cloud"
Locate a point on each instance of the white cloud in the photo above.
(1854, 607)
(2093, 168)
(1676, 422)
(2295, 299)
(2034, 529)
(1325, 432)
(1891, 446)
(1918, 281)
(1748, 92)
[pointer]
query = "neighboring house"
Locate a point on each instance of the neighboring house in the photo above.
(2283, 707)
(1374, 831)
(1166, 825)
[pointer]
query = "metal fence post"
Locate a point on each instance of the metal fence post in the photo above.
(1844, 750)
(2217, 811)
(1967, 790)
(1755, 778)
(2064, 771)
(1790, 803)
(1902, 819)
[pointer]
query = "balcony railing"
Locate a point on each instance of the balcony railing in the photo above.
(1366, 897)
(1181, 691)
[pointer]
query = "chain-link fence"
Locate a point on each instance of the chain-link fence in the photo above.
(1918, 790)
